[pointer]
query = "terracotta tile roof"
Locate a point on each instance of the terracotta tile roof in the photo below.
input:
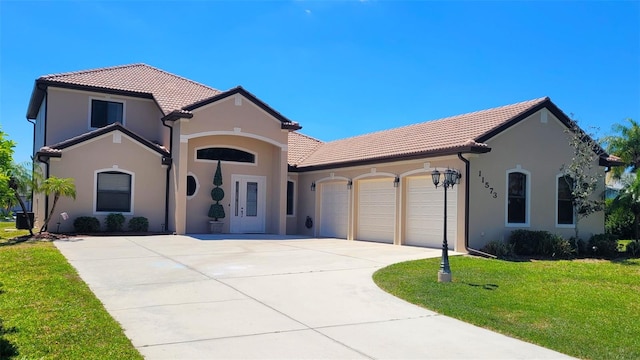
(170, 91)
(300, 146)
(429, 137)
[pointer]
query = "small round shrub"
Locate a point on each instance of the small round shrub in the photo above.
(633, 249)
(498, 248)
(605, 245)
(86, 224)
(139, 224)
(115, 221)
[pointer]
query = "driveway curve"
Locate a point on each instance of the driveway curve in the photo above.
(272, 297)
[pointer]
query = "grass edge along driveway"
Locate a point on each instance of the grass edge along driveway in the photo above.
(47, 311)
(583, 308)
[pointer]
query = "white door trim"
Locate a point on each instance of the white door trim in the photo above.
(240, 223)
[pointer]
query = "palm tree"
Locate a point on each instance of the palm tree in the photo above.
(626, 145)
(58, 187)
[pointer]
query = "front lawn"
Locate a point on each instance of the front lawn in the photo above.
(584, 308)
(47, 311)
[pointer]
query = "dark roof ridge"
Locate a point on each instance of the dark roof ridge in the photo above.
(101, 131)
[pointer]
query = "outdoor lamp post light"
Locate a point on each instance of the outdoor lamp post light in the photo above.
(451, 178)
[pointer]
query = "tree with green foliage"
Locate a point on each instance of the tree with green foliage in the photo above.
(57, 187)
(216, 211)
(626, 145)
(7, 198)
(582, 175)
(629, 200)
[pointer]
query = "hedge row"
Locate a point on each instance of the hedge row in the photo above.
(115, 222)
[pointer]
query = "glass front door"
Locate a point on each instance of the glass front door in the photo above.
(248, 204)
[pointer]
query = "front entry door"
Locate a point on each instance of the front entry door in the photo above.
(248, 204)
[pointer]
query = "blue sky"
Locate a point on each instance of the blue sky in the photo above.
(342, 68)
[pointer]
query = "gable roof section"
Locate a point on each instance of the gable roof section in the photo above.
(286, 123)
(171, 92)
(466, 133)
(176, 96)
(56, 149)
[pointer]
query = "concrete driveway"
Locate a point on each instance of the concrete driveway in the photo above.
(207, 297)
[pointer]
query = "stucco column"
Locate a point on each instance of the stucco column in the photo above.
(180, 161)
(284, 169)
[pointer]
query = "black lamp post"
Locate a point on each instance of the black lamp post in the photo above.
(450, 178)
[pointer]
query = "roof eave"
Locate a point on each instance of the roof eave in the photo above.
(606, 161)
(464, 149)
(105, 130)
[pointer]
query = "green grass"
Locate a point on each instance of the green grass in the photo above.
(622, 244)
(8, 231)
(588, 308)
(48, 312)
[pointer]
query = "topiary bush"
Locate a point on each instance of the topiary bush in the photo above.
(139, 224)
(498, 248)
(605, 245)
(86, 224)
(115, 221)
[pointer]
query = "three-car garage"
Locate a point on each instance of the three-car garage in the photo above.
(375, 205)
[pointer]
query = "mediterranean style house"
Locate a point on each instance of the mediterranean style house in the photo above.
(144, 142)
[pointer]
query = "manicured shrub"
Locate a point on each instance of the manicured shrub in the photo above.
(115, 221)
(498, 248)
(540, 243)
(86, 224)
(139, 224)
(603, 245)
(633, 249)
(527, 242)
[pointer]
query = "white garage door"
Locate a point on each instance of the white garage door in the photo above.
(376, 210)
(334, 209)
(424, 216)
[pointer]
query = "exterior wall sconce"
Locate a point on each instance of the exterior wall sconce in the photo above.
(451, 177)
(349, 184)
(396, 182)
(313, 186)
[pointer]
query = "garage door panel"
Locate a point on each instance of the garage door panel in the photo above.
(376, 210)
(425, 213)
(334, 210)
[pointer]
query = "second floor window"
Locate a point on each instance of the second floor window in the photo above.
(104, 113)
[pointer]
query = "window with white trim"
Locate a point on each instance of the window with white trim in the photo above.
(113, 192)
(517, 197)
(564, 209)
(105, 112)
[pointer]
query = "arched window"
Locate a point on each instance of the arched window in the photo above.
(113, 192)
(564, 209)
(225, 154)
(517, 197)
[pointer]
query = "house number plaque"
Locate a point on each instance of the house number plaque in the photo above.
(487, 186)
